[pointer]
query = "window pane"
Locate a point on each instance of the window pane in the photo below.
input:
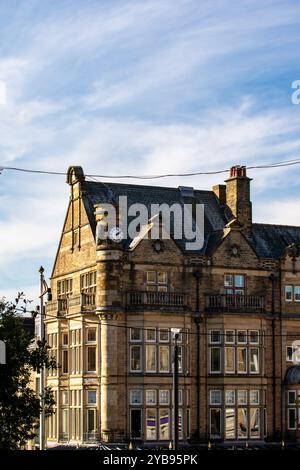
(289, 354)
(162, 288)
(254, 422)
(151, 424)
(242, 423)
(164, 359)
(92, 397)
(164, 397)
(65, 421)
(297, 293)
(254, 360)
(136, 364)
(91, 420)
(230, 423)
(242, 397)
(215, 422)
(242, 360)
(215, 397)
(162, 277)
(179, 359)
(163, 335)
(242, 337)
(135, 334)
(91, 359)
(150, 358)
(254, 397)
(254, 337)
(65, 362)
(91, 334)
(215, 359)
(288, 293)
(229, 336)
(291, 397)
(292, 418)
(136, 397)
(150, 334)
(239, 280)
(229, 360)
(239, 292)
(215, 336)
(151, 277)
(164, 424)
(150, 397)
(228, 280)
(230, 397)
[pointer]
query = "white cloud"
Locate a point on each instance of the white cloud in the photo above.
(285, 212)
(3, 92)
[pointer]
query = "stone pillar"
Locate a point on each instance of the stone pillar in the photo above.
(113, 407)
(113, 342)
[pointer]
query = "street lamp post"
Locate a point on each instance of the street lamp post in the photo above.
(42, 371)
(175, 333)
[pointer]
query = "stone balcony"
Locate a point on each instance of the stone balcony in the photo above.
(156, 300)
(62, 306)
(220, 303)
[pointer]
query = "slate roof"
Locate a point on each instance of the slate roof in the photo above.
(268, 241)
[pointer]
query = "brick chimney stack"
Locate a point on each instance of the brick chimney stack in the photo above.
(238, 197)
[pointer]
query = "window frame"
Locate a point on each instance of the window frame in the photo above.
(285, 293)
(140, 391)
(132, 346)
(220, 360)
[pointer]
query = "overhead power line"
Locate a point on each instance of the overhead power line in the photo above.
(185, 329)
(278, 164)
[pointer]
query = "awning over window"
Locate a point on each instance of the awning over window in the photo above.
(292, 376)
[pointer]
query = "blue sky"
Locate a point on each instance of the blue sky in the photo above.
(140, 87)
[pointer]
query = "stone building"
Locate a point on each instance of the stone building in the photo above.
(236, 302)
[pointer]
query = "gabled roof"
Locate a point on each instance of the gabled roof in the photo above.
(268, 241)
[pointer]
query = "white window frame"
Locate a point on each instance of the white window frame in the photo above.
(139, 403)
(251, 403)
(285, 292)
(227, 371)
(237, 336)
(217, 403)
(233, 333)
(241, 372)
(150, 403)
(230, 403)
(91, 403)
(153, 330)
(211, 334)
(210, 358)
(161, 402)
(87, 335)
(289, 359)
(141, 358)
(135, 340)
(296, 287)
(258, 356)
(256, 332)
(245, 393)
(164, 341)
(289, 401)
(293, 408)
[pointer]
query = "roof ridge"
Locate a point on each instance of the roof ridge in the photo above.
(171, 188)
(276, 225)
